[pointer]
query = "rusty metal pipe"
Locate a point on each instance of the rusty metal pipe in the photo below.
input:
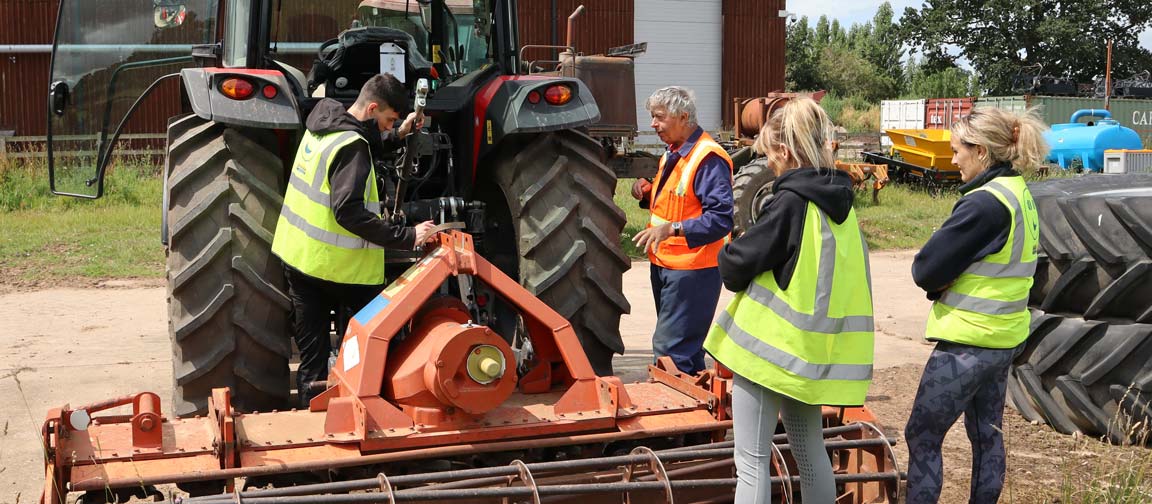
(827, 433)
(397, 456)
(465, 475)
(487, 475)
(421, 494)
(572, 26)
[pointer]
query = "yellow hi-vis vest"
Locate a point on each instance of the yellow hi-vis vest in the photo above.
(812, 341)
(987, 306)
(307, 235)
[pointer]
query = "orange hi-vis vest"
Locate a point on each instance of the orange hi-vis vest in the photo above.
(676, 201)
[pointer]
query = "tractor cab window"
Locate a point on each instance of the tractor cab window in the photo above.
(303, 25)
(466, 28)
(236, 30)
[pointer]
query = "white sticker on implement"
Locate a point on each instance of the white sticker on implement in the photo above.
(351, 354)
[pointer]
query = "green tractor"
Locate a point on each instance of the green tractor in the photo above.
(508, 153)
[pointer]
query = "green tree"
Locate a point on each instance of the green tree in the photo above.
(925, 82)
(846, 73)
(999, 37)
(883, 45)
(801, 56)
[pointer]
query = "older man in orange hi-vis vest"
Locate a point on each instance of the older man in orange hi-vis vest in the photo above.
(691, 217)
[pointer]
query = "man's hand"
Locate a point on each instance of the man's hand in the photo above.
(425, 233)
(410, 124)
(651, 237)
(641, 188)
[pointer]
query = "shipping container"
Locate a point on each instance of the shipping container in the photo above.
(900, 114)
(940, 113)
(1135, 114)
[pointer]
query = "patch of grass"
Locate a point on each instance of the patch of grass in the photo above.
(637, 217)
(128, 181)
(49, 237)
(1093, 473)
(905, 218)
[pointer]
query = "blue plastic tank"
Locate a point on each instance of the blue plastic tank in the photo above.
(1083, 144)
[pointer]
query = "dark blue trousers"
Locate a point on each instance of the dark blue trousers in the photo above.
(959, 380)
(685, 306)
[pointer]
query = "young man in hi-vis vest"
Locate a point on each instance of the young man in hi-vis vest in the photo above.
(690, 219)
(799, 333)
(332, 233)
(977, 268)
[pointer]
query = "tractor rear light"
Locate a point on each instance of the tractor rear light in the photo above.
(270, 91)
(481, 300)
(237, 89)
(558, 94)
(533, 97)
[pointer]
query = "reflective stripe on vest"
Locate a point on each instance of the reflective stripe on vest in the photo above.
(742, 348)
(308, 237)
(789, 362)
(987, 305)
(321, 235)
(1014, 268)
(676, 202)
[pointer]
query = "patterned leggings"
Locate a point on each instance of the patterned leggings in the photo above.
(755, 410)
(959, 379)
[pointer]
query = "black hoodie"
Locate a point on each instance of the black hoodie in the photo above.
(773, 243)
(978, 226)
(349, 172)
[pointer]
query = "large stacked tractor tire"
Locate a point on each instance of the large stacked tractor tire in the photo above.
(558, 191)
(751, 189)
(228, 312)
(1087, 364)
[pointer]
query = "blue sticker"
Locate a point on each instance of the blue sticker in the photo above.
(372, 309)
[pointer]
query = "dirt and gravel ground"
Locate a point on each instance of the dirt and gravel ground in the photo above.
(60, 344)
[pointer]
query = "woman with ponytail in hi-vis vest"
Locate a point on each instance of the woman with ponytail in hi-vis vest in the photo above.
(798, 334)
(977, 268)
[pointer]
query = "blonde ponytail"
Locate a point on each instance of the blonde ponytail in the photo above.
(1009, 138)
(803, 128)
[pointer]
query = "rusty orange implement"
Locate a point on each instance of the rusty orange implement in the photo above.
(416, 379)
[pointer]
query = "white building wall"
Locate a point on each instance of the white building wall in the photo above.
(685, 44)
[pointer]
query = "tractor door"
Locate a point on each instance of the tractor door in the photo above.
(106, 57)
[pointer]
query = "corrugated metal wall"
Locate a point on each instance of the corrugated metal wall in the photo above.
(604, 23)
(753, 50)
(24, 77)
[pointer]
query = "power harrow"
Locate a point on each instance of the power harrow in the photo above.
(424, 404)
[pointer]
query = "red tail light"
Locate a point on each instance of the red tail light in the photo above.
(558, 94)
(237, 88)
(270, 91)
(533, 97)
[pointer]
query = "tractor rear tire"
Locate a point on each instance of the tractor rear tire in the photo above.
(1085, 376)
(1095, 241)
(751, 189)
(558, 192)
(228, 312)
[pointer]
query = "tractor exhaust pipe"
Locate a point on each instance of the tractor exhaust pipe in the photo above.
(572, 27)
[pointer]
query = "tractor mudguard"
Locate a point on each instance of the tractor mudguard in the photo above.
(503, 108)
(257, 111)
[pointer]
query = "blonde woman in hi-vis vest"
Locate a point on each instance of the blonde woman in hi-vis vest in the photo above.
(798, 334)
(977, 268)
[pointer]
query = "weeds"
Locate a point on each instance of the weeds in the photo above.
(1124, 478)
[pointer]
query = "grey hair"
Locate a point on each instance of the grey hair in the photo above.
(675, 100)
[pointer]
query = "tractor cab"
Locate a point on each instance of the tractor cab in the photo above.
(118, 65)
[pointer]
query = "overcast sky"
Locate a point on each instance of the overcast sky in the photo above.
(859, 11)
